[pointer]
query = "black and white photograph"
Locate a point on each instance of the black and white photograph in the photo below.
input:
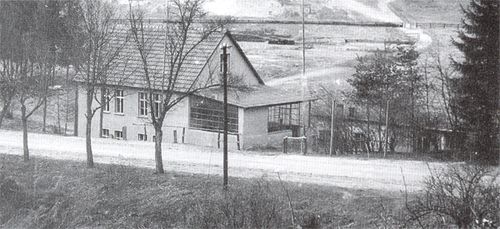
(249, 114)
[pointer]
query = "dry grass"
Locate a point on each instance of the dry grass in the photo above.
(60, 194)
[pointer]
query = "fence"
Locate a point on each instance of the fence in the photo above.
(431, 25)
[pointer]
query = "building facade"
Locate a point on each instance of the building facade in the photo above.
(259, 115)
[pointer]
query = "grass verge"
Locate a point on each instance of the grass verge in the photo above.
(60, 194)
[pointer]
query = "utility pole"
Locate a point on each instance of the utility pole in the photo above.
(332, 126)
(303, 40)
(224, 76)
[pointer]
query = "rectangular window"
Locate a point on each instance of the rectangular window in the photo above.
(142, 137)
(207, 114)
(283, 117)
(157, 99)
(105, 133)
(222, 62)
(107, 98)
(143, 104)
(119, 101)
(118, 134)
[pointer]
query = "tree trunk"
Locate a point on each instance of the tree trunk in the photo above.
(5, 109)
(101, 112)
(24, 119)
(158, 156)
(66, 108)
(88, 132)
(75, 127)
(44, 128)
(380, 130)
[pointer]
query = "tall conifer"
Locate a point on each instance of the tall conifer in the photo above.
(478, 89)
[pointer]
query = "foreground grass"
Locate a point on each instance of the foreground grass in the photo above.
(60, 194)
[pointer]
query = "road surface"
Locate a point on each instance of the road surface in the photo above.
(343, 172)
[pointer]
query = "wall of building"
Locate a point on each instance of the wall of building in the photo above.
(130, 119)
(176, 120)
(238, 67)
(255, 133)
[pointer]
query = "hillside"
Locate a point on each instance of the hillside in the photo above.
(426, 11)
(345, 10)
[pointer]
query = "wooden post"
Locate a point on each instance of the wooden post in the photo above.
(284, 144)
(218, 140)
(305, 145)
(183, 134)
(332, 126)
(238, 141)
(175, 136)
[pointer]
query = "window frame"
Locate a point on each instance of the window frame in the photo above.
(208, 115)
(105, 133)
(283, 117)
(143, 104)
(222, 63)
(106, 107)
(119, 101)
(118, 132)
(157, 104)
(142, 137)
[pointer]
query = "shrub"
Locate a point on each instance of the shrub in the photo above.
(249, 206)
(460, 194)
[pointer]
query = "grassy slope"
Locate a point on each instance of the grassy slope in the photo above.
(64, 194)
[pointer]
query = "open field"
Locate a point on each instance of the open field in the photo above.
(62, 194)
(425, 11)
(343, 172)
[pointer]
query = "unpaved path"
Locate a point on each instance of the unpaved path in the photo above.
(343, 172)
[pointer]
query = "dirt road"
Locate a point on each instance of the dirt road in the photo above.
(343, 172)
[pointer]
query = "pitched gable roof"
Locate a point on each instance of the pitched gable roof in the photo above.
(129, 70)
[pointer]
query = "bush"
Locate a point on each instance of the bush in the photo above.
(254, 206)
(462, 195)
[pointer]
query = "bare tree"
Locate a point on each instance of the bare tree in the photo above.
(25, 58)
(181, 37)
(98, 56)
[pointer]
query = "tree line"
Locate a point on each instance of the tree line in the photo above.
(423, 93)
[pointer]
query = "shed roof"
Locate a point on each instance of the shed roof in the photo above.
(258, 96)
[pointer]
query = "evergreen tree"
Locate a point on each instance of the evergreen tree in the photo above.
(478, 90)
(393, 77)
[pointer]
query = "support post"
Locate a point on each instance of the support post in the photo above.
(331, 127)
(218, 140)
(284, 144)
(183, 134)
(305, 145)
(238, 141)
